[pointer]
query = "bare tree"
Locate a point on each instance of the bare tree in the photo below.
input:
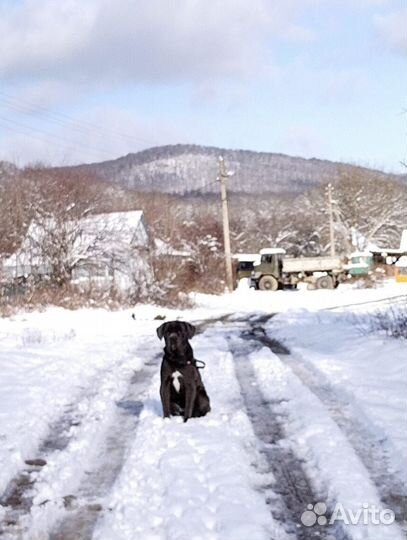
(373, 207)
(15, 205)
(59, 203)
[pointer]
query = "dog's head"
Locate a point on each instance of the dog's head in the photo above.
(176, 335)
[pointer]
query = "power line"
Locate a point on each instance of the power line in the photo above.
(24, 106)
(19, 108)
(46, 135)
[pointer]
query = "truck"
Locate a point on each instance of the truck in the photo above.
(360, 263)
(244, 264)
(275, 271)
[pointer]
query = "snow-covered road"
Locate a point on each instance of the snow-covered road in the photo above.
(305, 410)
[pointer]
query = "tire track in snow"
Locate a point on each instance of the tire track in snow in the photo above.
(370, 449)
(292, 485)
(87, 504)
(194, 480)
(18, 498)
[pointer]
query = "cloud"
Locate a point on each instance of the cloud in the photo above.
(145, 41)
(392, 29)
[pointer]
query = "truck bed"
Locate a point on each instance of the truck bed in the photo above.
(312, 264)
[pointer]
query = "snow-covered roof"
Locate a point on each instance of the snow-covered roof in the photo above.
(115, 219)
(272, 251)
(361, 254)
(246, 256)
(116, 226)
(108, 229)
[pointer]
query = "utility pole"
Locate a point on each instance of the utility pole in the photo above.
(223, 175)
(331, 220)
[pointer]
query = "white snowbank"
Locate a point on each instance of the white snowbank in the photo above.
(245, 299)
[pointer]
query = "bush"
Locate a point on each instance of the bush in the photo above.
(392, 322)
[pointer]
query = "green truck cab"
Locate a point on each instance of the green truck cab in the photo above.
(244, 264)
(360, 263)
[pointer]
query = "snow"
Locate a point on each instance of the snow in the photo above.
(248, 300)
(164, 248)
(272, 251)
(192, 480)
(247, 257)
(309, 427)
(47, 359)
(206, 479)
(370, 370)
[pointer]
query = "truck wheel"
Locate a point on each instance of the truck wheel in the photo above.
(268, 283)
(325, 282)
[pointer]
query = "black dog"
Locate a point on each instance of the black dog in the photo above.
(182, 391)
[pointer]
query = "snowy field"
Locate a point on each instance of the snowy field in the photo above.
(306, 409)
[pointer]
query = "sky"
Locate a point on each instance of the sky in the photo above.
(91, 80)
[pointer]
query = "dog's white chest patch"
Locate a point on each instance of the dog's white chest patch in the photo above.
(176, 380)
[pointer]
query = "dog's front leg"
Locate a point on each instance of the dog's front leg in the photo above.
(190, 396)
(165, 398)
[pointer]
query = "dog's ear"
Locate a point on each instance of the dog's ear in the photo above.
(161, 330)
(190, 330)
